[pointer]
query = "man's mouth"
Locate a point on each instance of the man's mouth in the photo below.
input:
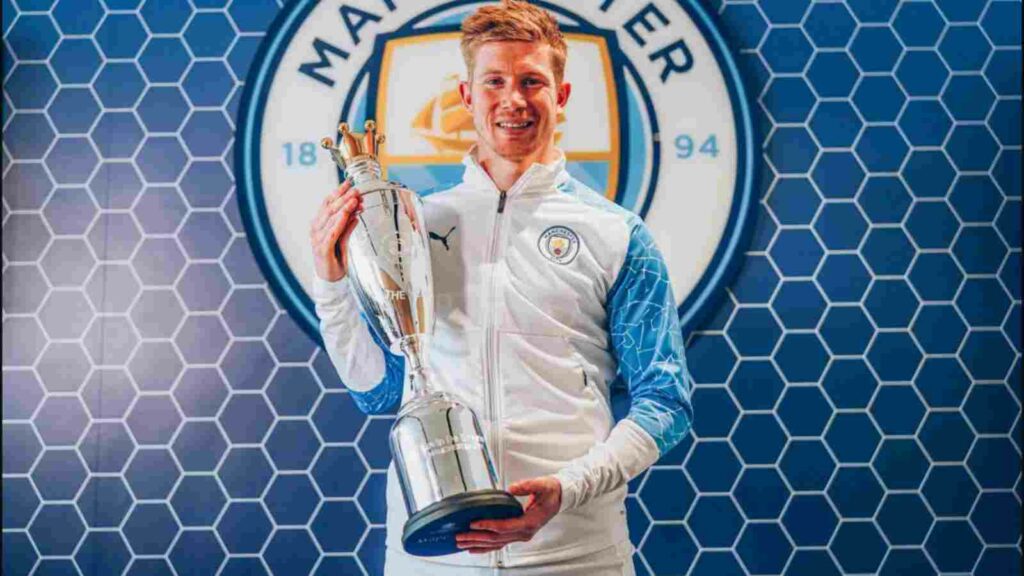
(515, 125)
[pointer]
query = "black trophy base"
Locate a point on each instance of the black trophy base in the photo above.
(431, 531)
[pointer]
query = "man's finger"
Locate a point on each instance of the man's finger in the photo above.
(351, 193)
(322, 215)
(335, 193)
(341, 229)
(340, 216)
(328, 235)
(335, 198)
(323, 220)
(528, 487)
(332, 205)
(334, 237)
(345, 233)
(482, 538)
(342, 188)
(521, 524)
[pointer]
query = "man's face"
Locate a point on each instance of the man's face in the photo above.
(514, 98)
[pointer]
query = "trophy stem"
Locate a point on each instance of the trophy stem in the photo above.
(417, 387)
(417, 372)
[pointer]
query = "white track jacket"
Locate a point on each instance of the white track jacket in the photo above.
(546, 297)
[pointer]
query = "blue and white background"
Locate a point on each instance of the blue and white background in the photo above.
(858, 392)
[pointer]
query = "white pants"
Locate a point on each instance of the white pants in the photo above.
(611, 561)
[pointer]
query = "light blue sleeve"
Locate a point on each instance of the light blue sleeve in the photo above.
(648, 343)
(383, 397)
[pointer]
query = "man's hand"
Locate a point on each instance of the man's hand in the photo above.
(330, 229)
(488, 535)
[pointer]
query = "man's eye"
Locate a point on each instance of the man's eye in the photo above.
(492, 82)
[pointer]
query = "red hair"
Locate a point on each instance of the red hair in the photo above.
(513, 20)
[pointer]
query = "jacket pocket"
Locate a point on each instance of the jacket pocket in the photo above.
(595, 388)
(549, 414)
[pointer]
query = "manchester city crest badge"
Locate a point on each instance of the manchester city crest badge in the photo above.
(559, 244)
(659, 123)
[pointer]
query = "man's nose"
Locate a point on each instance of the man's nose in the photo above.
(513, 98)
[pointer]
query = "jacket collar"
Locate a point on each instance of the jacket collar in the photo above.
(538, 178)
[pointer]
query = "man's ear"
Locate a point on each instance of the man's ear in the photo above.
(466, 94)
(563, 94)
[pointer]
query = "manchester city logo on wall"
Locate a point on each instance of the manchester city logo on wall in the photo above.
(658, 121)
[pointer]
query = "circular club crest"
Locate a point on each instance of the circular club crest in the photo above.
(658, 121)
(559, 244)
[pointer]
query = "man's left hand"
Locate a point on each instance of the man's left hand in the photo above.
(488, 535)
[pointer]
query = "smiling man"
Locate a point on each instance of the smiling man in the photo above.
(548, 296)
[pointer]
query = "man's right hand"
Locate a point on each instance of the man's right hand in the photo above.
(330, 230)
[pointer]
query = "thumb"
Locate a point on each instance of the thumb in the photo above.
(537, 486)
(525, 487)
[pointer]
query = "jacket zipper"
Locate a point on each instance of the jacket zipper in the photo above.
(491, 350)
(490, 380)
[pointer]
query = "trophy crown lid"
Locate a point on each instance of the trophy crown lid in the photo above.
(354, 145)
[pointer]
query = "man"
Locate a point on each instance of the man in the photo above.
(546, 294)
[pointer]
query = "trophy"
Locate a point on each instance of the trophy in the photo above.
(442, 461)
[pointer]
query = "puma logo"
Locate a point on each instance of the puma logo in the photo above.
(443, 239)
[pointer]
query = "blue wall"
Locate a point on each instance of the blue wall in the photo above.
(858, 398)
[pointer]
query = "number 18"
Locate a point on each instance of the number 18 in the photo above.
(306, 156)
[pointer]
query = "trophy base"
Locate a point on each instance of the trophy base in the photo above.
(431, 531)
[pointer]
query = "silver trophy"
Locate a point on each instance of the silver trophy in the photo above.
(442, 461)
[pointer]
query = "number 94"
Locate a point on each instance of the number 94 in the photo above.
(686, 147)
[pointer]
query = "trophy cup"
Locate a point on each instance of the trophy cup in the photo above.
(442, 461)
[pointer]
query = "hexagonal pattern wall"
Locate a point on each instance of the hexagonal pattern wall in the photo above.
(858, 393)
